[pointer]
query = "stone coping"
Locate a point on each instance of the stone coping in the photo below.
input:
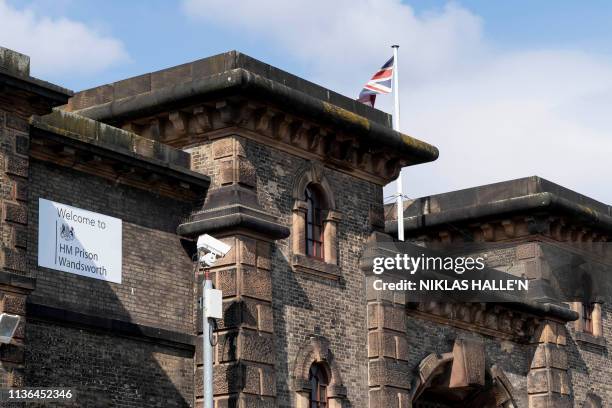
(15, 72)
(213, 65)
(90, 132)
(530, 194)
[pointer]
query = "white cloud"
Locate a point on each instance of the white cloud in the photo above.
(57, 46)
(495, 115)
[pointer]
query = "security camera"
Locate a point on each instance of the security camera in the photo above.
(8, 325)
(209, 249)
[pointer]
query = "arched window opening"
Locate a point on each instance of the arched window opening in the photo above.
(314, 223)
(319, 382)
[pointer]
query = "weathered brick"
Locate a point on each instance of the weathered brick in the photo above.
(13, 303)
(17, 166)
(257, 347)
(248, 248)
(12, 353)
(13, 259)
(247, 174)
(256, 283)
(20, 190)
(15, 213)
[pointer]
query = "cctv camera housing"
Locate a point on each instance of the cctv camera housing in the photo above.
(209, 259)
(207, 243)
(8, 325)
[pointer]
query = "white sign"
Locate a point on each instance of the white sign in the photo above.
(79, 241)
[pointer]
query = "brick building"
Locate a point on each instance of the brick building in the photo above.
(290, 175)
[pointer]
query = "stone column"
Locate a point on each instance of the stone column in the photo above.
(244, 352)
(330, 226)
(597, 321)
(389, 372)
(14, 166)
(548, 381)
(244, 355)
(300, 209)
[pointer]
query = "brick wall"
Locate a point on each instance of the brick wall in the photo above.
(156, 291)
(157, 276)
(107, 370)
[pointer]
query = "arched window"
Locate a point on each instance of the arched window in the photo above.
(314, 222)
(318, 382)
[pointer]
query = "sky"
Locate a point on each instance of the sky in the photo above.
(503, 89)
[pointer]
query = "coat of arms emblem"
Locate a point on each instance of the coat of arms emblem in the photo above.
(67, 232)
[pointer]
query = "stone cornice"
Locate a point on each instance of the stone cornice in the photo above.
(342, 150)
(489, 319)
(231, 208)
(57, 95)
(508, 210)
(183, 113)
(92, 147)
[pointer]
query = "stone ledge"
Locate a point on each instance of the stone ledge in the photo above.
(116, 327)
(90, 131)
(16, 281)
(583, 337)
(529, 195)
(15, 72)
(86, 145)
(317, 267)
(232, 208)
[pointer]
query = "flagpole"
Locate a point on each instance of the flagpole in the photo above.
(396, 127)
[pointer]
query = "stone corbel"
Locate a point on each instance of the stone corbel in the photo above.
(203, 122)
(229, 112)
(179, 122)
(509, 228)
(264, 120)
(300, 135)
(488, 231)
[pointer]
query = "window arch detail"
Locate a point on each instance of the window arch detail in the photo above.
(315, 218)
(316, 354)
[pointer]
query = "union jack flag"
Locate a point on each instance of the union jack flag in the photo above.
(379, 84)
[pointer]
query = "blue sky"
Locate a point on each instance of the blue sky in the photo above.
(158, 33)
(504, 89)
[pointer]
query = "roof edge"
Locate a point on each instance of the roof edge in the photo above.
(39, 87)
(242, 80)
(529, 202)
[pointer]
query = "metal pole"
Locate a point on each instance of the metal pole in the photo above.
(207, 351)
(396, 127)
